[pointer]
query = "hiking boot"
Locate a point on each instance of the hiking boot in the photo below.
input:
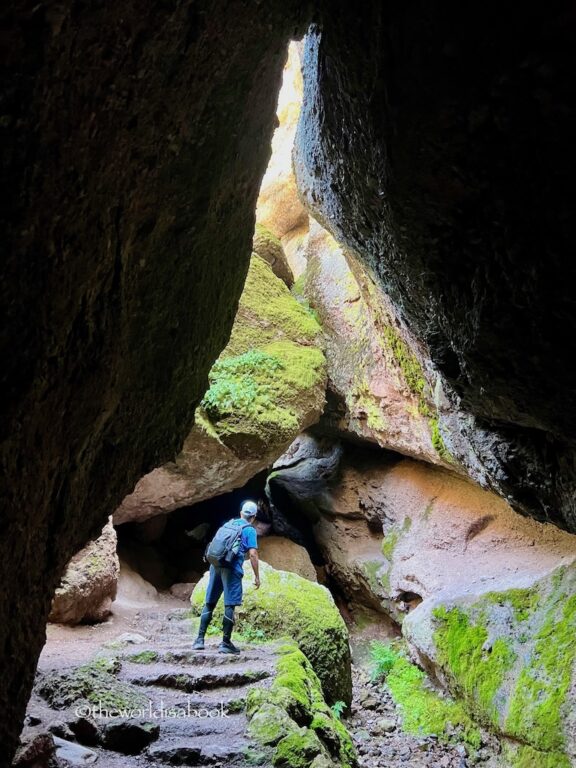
(198, 644)
(227, 646)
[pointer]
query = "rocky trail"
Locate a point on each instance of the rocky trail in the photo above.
(192, 710)
(167, 705)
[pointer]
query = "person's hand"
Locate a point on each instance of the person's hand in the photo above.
(256, 583)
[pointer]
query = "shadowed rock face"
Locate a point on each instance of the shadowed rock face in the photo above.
(135, 139)
(436, 139)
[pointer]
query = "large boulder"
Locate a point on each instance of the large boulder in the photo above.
(410, 530)
(287, 605)
(285, 555)
(88, 587)
(510, 655)
(268, 247)
(267, 386)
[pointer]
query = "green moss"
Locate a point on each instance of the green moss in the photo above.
(528, 757)
(270, 723)
(423, 711)
(372, 570)
(290, 606)
(294, 716)
(271, 372)
(477, 667)
(389, 544)
(523, 601)
(363, 401)
(535, 713)
(297, 750)
(94, 682)
(410, 366)
(95, 564)
(260, 393)
(268, 312)
(144, 657)
(438, 441)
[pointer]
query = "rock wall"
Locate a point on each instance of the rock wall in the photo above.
(485, 597)
(375, 367)
(436, 141)
(134, 141)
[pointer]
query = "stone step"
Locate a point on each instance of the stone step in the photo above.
(168, 677)
(201, 751)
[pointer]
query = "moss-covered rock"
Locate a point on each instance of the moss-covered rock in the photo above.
(289, 606)
(267, 386)
(268, 247)
(95, 682)
(293, 716)
(510, 656)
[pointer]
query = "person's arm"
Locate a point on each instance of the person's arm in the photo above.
(253, 555)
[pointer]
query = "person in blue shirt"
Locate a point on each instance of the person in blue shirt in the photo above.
(229, 581)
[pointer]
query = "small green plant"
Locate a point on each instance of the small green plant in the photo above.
(338, 709)
(384, 656)
(234, 385)
(252, 635)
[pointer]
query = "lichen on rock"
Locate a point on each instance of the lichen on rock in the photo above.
(288, 606)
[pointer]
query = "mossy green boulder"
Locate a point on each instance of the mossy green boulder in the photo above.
(293, 718)
(510, 656)
(95, 682)
(267, 386)
(287, 605)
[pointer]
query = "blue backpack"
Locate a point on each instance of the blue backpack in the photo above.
(225, 546)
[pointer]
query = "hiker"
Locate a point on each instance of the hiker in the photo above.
(226, 553)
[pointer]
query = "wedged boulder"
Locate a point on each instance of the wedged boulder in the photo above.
(374, 365)
(88, 587)
(266, 387)
(268, 247)
(288, 606)
(510, 655)
(285, 555)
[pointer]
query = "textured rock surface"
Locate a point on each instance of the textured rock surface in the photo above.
(417, 145)
(292, 716)
(440, 532)
(89, 585)
(287, 605)
(286, 555)
(510, 655)
(371, 363)
(267, 386)
(268, 247)
(135, 139)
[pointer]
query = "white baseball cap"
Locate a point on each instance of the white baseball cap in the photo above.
(249, 509)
